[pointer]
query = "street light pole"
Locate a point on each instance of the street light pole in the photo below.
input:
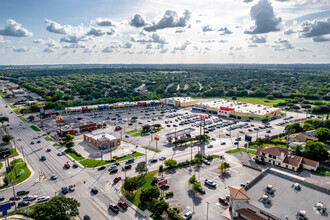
(207, 210)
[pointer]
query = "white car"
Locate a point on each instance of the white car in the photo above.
(43, 198)
(210, 183)
(30, 198)
(162, 158)
(19, 139)
(188, 215)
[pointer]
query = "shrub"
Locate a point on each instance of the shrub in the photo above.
(154, 180)
(161, 168)
(197, 185)
(171, 163)
(192, 179)
(168, 194)
(161, 206)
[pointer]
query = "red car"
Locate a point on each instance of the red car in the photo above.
(11, 128)
(67, 165)
(123, 204)
(223, 200)
(116, 180)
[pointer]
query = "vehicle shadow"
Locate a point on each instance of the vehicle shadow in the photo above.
(112, 213)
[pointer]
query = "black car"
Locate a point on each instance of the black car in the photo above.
(48, 150)
(127, 167)
(114, 207)
(260, 162)
(164, 186)
(75, 165)
(23, 192)
(101, 168)
(130, 160)
(117, 164)
(86, 217)
(94, 191)
(114, 170)
(23, 203)
(153, 161)
(2, 198)
(64, 190)
(15, 198)
(38, 141)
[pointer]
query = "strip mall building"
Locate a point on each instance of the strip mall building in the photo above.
(240, 110)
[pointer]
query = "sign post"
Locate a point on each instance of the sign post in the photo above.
(42, 110)
(248, 139)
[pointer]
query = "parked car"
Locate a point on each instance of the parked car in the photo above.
(43, 199)
(242, 185)
(74, 165)
(114, 207)
(127, 167)
(64, 190)
(114, 170)
(153, 160)
(32, 142)
(38, 141)
(2, 198)
(23, 203)
(117, 179)
(122, 204)
(162, 158)
(130, 160)
(48, 150)
(223, 143)
(30, 198)
(86, 217)
(101, 168)
(223, 201)
(22, 192)
(53, 177)
(71, 188)
(260, 162)
(94, 191)
(164, 186)
(206, 162)
(188, 215)
(210, 183)
(15, 198)
(67, 166)
(43, 158)
(201, 190)
(59, 154)
(210, 146)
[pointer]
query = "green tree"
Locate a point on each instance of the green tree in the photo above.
(69, 137)
(259, 142)
(293, 128)
(264, 120)
(224, 166)
(197, 186)
(7, 138)
(149, 193)
(161, 168)
(161, 205)
(141, 167)
(59, 207)
(297, 150)
(31, 118)
(171, 163)
(323, 134)
(4, 119)
(146, 128)
(270, 97)
(131, 183)
(316, 150)
(192, 179)
(69, 144)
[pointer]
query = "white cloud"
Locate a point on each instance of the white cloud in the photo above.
(170, 20)
(315, 28)
(38, 41)
(48, 50)
(225, 31)
(111, 32)
(87, 50)
(281, 45)
(138, 21)
(107, 50)
(128, 45)
(14, 29)
(105, 22)
(2, 41)
(179, 30)
(57, 28)
(258, 39)
(72, 39)
(21, 49)
(207, 28)
(95, 32)
(264, 17)
(154, 38)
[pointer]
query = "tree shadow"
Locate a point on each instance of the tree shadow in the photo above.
(224, 176)
(196, 199)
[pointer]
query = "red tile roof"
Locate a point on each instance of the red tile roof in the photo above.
(302, 137)
(249, 214)
(238, 192)
(293, 160)
(310, 162)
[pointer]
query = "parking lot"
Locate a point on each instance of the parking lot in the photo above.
(186, 199)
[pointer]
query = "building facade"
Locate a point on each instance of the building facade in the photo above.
(103, 141)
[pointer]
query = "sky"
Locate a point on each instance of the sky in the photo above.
(164, 31)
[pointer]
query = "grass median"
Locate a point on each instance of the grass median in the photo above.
(48, 138)
(22, 118)
(35, 128)
(240, 150)
(19, 172)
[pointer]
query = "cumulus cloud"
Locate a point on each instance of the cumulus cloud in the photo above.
(247, 1)
(303, 50)
(87, 50)
(183, 46)
(180, 30)
(107, 50)
(207, 28)
(95, 32)
(48, 50)
(315, 28)
(252, 45)
(289, 32)
(207, 41)
(111, 32)
(264, 17)
(225, 31)
(138, 21)
(72, 39)
(57, 28)
(170, 20)
(128, 45)
(281, 45)
(52, 44)
(14, 29)
(154, 38)
(21, 50)
(258, 39)
(165, 50)
(2, 41)
(105, 22)
(321, 39)
(38, 41)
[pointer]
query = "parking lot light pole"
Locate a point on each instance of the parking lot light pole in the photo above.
(207, 210)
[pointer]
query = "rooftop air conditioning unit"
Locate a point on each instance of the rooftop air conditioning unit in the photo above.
(265, 199)
(321, 207)
(269, 189)
(302, 214)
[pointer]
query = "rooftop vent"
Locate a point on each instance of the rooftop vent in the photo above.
(265, 199)
(301, 214)
(320, 207)
(269, 189)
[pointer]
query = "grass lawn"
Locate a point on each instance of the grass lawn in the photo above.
(151, 149)
(4, 128)
(56, 144)
(132, 131)
(1, 164)
(21, 174)
(322, 171)
(94, 163)
(22, 118)
(12, 107)
(48, 138)
(35, 128)
(137, 134)
(142, 184)
(240, 150)
(13, 152)
(266, 144)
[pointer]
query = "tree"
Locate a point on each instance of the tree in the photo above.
(316, 150)
(131, 183)
(7, 138)
(141, 167)
(146, 128)
(171, 163)
(69, 144)
(197, 186)
(223, 166)
(293, 128)
(161, 168)
(149, 193)
(270, 97)
(69, 137)
(59, 207)
(161, 205)
(4, 119)
(259, 142)
(296, 150)
(192, 179)
(264, 120)
(323, 134)
(31, 118)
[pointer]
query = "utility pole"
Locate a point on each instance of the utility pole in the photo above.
(146, 154)
(14, 194)
(207, 210)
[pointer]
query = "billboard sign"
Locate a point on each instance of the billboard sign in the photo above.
(248, 138)
(203, 117)
(156, 137)
(41, 106)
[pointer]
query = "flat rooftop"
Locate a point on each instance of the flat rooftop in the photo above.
(102, 137)
(286, 201)
(240, 106)
(182, 99)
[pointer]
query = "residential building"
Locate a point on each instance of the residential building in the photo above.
(102, 141)
(301, 137)
(281, 157)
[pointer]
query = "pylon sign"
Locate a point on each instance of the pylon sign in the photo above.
(156, 137)
(203, 117)
(59, 119)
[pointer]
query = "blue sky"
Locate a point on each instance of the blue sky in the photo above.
(157, 31)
